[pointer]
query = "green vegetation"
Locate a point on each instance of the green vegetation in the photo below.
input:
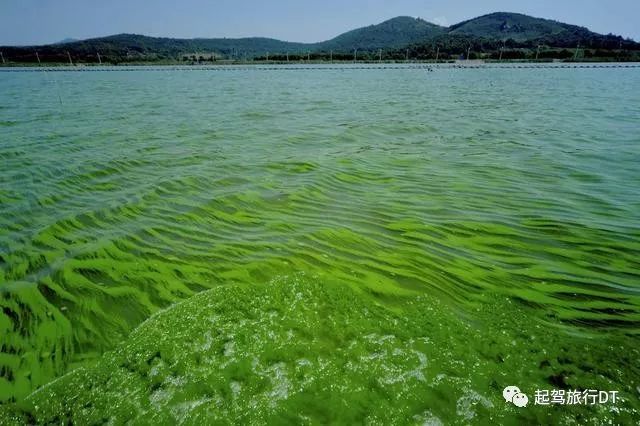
(503, 26)
(394, 33)
(519, 34)
(517, 30)
(484, 219)
(300, 350)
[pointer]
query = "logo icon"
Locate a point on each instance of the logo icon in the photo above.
(513, 395)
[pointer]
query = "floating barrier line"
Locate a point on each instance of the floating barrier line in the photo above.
(428, 67)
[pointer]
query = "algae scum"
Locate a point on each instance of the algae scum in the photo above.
(318, 246)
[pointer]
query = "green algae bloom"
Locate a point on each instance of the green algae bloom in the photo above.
(302, 351)
(318, 246)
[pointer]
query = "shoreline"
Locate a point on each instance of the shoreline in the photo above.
(320, 65)
(312, 62)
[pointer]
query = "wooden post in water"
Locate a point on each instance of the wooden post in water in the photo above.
(355, 55)
(406, 58)
(331, 57)
(380, 60)
(619, 52)
(437, 54)
(54, 78)
(287, 56)
(501, 50)
(538, 52)
(308, 56)
(468, 52)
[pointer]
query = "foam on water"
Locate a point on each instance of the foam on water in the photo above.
(337, 357)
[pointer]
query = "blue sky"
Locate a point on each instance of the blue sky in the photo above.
(45, 21)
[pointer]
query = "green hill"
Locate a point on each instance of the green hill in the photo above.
(504, 26)
(484, 34)
(525, 31)
(133, 47)
(394, 33)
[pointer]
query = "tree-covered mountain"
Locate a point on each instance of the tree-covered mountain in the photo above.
(488, 33)
(525, 31)
(394, 33)
(133, 47)
(504, 26)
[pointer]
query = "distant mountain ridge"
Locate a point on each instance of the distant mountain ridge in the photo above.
(67, 41)
(394, 33)
(527, 30)
(512, 29)
(503, 26)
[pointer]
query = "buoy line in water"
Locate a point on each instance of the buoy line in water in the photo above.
(344, 67)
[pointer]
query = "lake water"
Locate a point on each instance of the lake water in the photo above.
(489, 217)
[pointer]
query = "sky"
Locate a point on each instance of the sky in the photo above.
(29, 22)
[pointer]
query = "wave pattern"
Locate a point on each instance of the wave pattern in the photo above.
(142, 189)
(303, 351)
